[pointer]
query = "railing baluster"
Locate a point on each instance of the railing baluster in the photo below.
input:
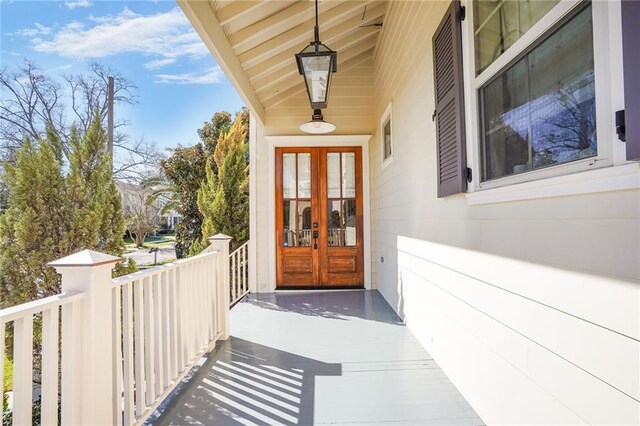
(70, 360)
(244, 268)
(49, 408)
(214, 294)
(22, 370)
(166, 329)
(127, 328)
(149, 326)
(202, 318)
(139, 348)
(180, 321)
(210, 306)
(117, 355)
(174, 309)
(158, 359)
(234, 276)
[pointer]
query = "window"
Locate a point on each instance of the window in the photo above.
(541, 111)
(533, 68)
(386, 136)
(499, 24)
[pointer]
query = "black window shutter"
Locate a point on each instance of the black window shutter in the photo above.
(449, 93)
(631, 57)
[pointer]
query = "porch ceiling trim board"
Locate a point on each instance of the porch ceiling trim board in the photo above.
(237, 15)
(342, 36)
(348, 13)
(201, 16)
(276, 24)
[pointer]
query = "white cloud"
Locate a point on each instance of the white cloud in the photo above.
(211, 76)
(166, 35)
(77, 3)
(38, 29)
(159, 63)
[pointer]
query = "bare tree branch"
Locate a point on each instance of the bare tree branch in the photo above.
(30, 99)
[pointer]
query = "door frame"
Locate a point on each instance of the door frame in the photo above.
(361, 141)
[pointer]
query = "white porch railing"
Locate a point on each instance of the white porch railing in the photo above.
(239, 264)
(125, 343)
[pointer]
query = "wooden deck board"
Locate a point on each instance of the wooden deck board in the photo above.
(305, 358)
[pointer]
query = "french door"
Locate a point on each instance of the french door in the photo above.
(319, 216)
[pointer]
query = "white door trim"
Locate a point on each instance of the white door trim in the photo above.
(274, 142)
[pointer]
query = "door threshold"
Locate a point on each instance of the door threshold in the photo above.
(323, 289)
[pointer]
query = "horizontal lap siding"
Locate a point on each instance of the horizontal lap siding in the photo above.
(525, 342)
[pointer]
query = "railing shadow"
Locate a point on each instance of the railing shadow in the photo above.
(340, 305)
(247, 383)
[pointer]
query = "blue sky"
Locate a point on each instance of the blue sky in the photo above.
(150, 42)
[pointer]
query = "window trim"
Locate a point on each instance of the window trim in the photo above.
(608, 86)
(386, 115)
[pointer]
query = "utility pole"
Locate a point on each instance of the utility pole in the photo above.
(110, 119)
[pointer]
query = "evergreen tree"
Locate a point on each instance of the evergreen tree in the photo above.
(33, 225)
(52, 214)
(224, 198)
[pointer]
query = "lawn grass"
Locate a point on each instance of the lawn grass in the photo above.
(151, 241)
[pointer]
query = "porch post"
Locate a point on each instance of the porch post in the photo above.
(89, 272)
(220, 242)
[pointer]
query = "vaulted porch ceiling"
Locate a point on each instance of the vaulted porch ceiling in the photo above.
(255, 41)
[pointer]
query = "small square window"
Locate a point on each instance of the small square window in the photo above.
(386, 133)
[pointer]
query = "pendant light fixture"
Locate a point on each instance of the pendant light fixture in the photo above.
(316, 63)
(317, 125)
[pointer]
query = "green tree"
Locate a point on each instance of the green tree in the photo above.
(183, 173)
(224, 198)
(55, 209)
(211, 130)
(8, 380)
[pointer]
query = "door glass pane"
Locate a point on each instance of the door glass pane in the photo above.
(334, 225)
(348, 174)
(304, 223)
(333, 175)
(289, 223)
(349, 220)
(289, 176)
(304, 175)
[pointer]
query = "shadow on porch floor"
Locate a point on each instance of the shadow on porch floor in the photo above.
(317, 358)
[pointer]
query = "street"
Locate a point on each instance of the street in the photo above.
(143, 257)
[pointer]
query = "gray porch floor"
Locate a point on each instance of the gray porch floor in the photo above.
(318, 358)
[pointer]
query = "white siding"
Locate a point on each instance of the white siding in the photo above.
(533, 307)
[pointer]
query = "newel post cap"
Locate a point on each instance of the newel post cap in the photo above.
(85, 258)
(220, 237)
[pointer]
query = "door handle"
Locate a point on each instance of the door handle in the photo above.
(315, 240)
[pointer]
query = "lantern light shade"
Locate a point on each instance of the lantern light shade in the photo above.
(317, 125)
(316, 63)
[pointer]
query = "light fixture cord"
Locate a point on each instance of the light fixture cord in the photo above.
(316, 30)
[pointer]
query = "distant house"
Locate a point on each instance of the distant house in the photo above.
(134, 195)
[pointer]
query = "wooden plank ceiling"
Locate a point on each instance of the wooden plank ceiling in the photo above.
(265, 35)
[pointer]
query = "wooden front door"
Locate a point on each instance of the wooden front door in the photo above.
(319, 216)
